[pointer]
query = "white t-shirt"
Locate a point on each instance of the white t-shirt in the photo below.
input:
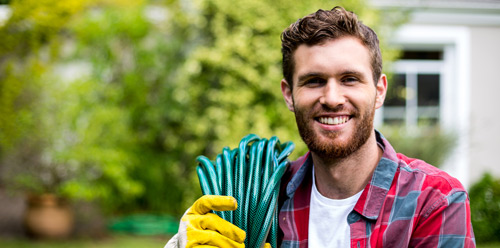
(328, 225)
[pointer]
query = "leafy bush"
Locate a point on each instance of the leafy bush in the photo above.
(485, 208)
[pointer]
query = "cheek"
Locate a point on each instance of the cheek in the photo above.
(364, 101)
(305, 97)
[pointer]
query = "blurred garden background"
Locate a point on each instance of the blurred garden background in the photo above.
(105, 104)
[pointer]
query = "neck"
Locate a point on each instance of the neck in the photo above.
(342, 178)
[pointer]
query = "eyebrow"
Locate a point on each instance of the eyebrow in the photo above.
(350, 72)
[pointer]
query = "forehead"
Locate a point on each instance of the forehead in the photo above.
(332, 57)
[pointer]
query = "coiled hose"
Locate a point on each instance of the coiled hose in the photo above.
(250, 173)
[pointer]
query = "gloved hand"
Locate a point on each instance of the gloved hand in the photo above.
(199, 227)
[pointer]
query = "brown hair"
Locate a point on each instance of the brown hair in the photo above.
(325, 25)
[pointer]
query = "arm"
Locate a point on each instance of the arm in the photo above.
(446, 223)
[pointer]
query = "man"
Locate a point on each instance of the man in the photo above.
(352, 189)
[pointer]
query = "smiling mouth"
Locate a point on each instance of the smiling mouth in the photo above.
(333, 120)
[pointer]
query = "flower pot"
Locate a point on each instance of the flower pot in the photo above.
(48, 217)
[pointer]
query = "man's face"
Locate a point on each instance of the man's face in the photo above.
(334, 96)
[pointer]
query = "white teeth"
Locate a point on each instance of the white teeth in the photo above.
(334, 120)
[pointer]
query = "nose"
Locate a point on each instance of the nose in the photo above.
(332, 95)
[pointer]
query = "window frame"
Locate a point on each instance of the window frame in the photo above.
(411, 69)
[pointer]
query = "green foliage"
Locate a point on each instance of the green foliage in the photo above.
(47, 143)
(27, 50)
(485, 208)
(119, 97)
(430, 143)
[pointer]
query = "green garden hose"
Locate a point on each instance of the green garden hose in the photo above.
(250, 173)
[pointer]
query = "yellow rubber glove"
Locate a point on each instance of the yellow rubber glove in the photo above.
(199, 227)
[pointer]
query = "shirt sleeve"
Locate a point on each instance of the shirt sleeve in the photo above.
(445, 223)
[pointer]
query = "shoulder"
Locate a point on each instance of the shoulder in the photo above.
(440, 204)
(433, 186)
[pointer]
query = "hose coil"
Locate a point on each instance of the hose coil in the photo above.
(250, 173)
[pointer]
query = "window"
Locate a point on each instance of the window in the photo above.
(414, 90)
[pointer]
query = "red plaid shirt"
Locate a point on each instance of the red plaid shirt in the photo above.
(407, 203)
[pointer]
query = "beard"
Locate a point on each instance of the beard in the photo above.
(331, 148)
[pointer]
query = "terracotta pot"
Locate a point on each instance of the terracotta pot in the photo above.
(48, 217)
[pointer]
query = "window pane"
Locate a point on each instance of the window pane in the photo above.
(428, 89)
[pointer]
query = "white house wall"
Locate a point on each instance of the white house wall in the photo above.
(485, 101)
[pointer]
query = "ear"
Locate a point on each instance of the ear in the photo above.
(287, 94)
(381, 88)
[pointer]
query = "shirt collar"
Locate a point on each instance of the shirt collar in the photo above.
(373, 196)
(297, 179)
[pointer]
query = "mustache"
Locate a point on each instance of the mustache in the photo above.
(336, 109)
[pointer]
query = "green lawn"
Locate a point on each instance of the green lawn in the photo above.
(490, 245)
(115, 241)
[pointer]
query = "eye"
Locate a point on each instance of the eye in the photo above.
(314, 82)
(350, 80)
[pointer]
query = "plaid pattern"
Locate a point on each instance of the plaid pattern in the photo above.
(407, 203)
